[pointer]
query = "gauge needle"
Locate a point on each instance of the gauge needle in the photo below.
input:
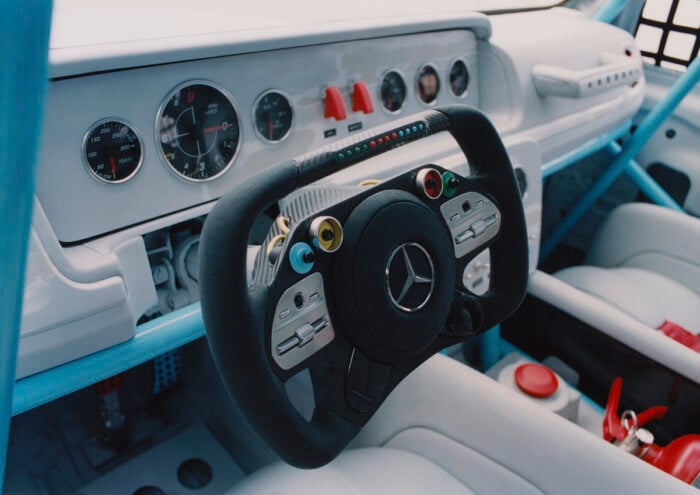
(194, 119)
(214, 129)
(199, 151)
(269, 127)
(113, 164)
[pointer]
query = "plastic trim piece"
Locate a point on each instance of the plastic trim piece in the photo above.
(79, 60)
(24, 35)
(615, 71)
(152, 339)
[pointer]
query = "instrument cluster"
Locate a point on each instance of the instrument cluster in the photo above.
(198, 124)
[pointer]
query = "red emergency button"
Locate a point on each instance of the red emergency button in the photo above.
(536, 380)
(361, 99)
(335, 107)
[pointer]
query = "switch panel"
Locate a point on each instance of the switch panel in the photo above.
(473, 220)
(301, 323)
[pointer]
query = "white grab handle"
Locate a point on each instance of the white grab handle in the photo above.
(615, 71)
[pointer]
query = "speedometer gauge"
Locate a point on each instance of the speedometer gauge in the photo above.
(198, 131)
(272, 116)
(112, 151)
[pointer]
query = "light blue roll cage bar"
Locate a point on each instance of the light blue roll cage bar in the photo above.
(24, 35)
(24, 38)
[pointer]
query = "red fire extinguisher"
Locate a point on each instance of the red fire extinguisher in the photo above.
(680, 458)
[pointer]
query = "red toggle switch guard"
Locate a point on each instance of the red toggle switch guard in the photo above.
(335, 107)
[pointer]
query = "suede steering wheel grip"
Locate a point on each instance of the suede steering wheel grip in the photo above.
(235, 314)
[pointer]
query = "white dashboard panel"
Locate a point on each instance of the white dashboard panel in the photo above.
(80, 207)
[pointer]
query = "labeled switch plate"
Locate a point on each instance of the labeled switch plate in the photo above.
(289, 318)
(473, 220)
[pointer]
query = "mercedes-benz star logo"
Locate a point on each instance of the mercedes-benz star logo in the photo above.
(410, 277)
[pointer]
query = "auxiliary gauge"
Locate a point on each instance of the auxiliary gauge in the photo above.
(392, 91)
(198, 131)
(459, 78)
(272, 116)
(112, 151)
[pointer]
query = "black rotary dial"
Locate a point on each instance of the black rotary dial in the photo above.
(198, 131)
(393, 91)
(273, 116)
(112, 151)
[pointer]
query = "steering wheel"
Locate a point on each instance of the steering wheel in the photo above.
(367, 283)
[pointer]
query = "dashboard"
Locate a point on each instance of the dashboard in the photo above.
(162, 139)
(142, 136)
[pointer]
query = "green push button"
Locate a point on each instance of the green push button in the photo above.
(449, 184)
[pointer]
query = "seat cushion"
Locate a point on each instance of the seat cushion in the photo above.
(648, 297)
(650, 237)
(366, 471)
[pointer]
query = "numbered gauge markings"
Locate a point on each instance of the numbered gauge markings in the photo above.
(198, 131)
(112, 151)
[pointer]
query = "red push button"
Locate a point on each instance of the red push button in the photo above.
(536, 380)
(335, 107)
(361, 99)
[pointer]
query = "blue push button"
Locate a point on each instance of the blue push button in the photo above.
(301, 258)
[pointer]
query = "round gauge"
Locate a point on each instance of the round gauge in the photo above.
(272, 116)
(198, 132)
(112, 151)
(428, 84)
(459, 78)
(393, 91)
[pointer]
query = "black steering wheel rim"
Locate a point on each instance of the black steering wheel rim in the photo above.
(235, 313)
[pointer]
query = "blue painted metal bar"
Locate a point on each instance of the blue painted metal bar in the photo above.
(489, 349)
(586, 149)
(609, 11)
(646, 128)
(152, 339)
(645, 182)
(24, 37)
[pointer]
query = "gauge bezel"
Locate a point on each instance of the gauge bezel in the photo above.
(379, 91)
(156, 132)
(417, 80)
(83, 148)
(255, 124)
(449, 71)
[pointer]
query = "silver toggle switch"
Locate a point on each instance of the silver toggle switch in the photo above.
(467, 234)
(305, 334)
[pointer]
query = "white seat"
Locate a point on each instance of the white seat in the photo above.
(645, 261)
(448, 429)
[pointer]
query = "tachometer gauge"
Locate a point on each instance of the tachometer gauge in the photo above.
(393, 91)
(459, 78)
(198, 131)
(272, 116)
(112, 151)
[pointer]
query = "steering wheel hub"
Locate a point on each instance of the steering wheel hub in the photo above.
(396, 275)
